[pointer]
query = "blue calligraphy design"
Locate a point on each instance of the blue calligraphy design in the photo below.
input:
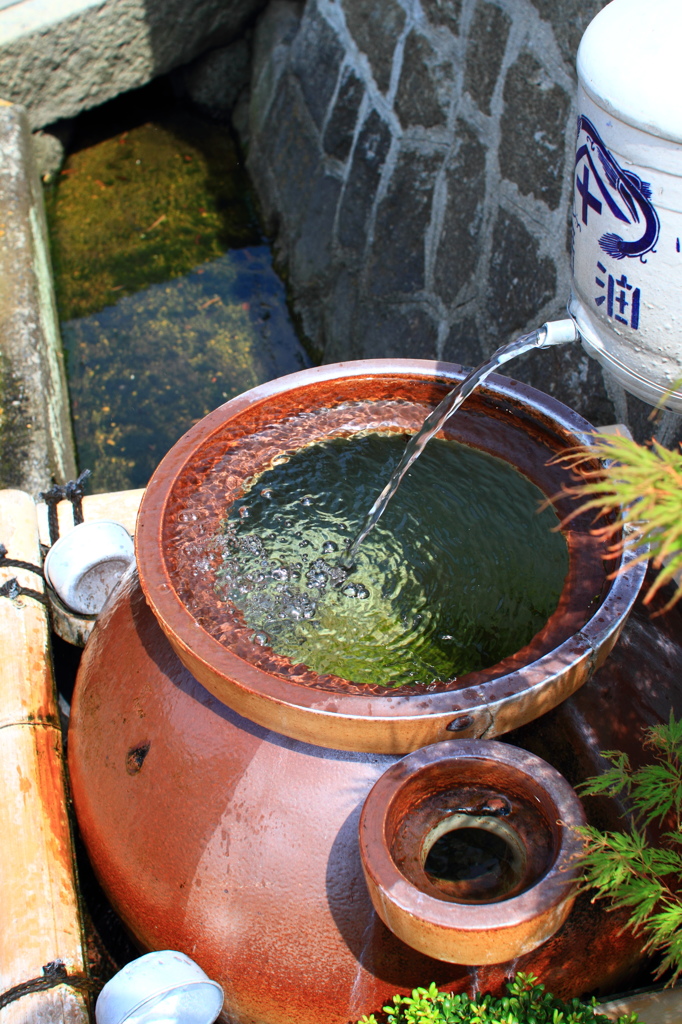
(624, 193)
(617, 298)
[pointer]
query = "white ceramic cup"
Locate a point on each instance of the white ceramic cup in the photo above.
(84, 565)
(160, 988)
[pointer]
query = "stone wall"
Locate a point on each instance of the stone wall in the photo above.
(414, 163)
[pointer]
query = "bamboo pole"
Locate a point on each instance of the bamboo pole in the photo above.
(39, 913)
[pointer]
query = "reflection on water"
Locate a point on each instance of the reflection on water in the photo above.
(165, 287)
(142, 371)
(461, 573)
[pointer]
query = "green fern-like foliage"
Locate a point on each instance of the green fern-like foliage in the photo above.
(526, 1003)
(643, 485)
(624, 867)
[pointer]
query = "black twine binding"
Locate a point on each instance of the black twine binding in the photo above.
(16, 563)
(54, 974)
(72, 491)
(12, 588)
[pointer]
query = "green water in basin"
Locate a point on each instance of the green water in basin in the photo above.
(462, 571)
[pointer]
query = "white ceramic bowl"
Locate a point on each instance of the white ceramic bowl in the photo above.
(160, 988)
(84, 565)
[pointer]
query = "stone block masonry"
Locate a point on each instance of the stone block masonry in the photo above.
(414, 162)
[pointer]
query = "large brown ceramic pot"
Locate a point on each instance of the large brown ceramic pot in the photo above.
(208, 468)
(219, 799)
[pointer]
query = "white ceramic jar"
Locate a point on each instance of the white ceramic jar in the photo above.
(627, 212)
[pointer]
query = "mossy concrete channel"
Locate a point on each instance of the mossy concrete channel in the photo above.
(166, 294)
(56, 60)
(36, 444)
(168, 300)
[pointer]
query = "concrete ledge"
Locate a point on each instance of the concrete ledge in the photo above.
(36, 443)
(58, 57)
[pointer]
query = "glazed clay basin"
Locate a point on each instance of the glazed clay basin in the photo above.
(239, 846)
(516, 878)
(211, 466)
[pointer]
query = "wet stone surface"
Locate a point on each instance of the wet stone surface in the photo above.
(363, 180)
(317, 77)
(447, 13)
(423, 94)
(520, 280)
(292, 150)
(533, 133)
(463, 223)
(389, 332)
(338, 136)
(569, 19)
(396, 263)
(476, 98)
(313, 249)
(487, 42)
(376, 29)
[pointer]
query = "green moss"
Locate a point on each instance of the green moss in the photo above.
(160, 323)
(15, 437)
(144, 207)
(143, 371)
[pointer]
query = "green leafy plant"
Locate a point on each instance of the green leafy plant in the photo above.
(624, 867)
(526, 1003)
(643, 486)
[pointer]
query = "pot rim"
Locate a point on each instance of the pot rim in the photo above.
(314, 714)
(556, 884)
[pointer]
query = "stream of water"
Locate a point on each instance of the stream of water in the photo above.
(556, 333)
(430, 599)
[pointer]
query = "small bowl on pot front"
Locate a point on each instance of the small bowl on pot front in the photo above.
(469, 850)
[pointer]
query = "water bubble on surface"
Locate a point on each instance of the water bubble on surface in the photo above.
(356, 590)
(266, 492)
(316, 579)
(397, 620)
(261, 639)
(244, 512)
(306, 500)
